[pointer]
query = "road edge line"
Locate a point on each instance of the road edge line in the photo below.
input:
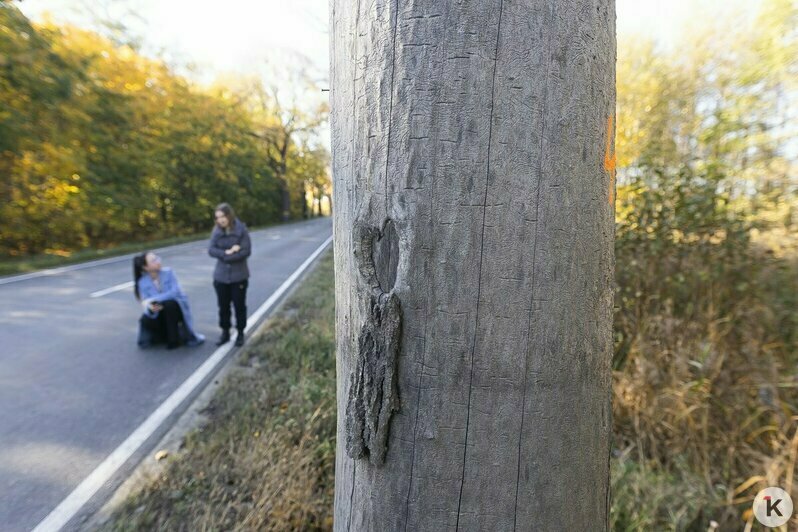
(89, 486)
(57, 270)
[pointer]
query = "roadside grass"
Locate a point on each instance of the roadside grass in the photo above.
(11, 266)
(265, 458)
(27, 264)
(704, 415)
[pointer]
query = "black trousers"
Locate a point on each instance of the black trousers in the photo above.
(166, 326)
(235, 293)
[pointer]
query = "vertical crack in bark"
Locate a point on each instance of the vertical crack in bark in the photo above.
(434, 134)
(350, 197)
(351, 496)
(481, 258)
(373, 391)
(534, 262)
(390, 103)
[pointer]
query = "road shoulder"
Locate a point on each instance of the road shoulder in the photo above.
(198, 417)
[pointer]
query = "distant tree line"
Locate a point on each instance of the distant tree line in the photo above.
(101, 145)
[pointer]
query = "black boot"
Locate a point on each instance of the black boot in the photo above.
(240, 339)
(224, 338)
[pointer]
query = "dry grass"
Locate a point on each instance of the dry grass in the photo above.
(705, 407)
(265, 460)
(706, 401)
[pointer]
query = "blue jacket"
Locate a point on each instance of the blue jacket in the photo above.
(230, 268)
(170, 289)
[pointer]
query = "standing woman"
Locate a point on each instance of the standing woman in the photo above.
(230, 246)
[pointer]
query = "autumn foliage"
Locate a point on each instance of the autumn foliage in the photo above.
(100, 145)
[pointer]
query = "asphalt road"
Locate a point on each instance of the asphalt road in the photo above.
(74, 385)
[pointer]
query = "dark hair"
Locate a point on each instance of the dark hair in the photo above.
(139, 261)
(228, 211)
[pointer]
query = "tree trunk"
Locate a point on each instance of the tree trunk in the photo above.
(285, 201)
(304, 195)
(283, 171)
(474, 221)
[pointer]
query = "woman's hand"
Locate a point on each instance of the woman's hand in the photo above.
(155, 307)
(234, 249)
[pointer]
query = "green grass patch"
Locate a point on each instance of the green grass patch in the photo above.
(649, 498)
(31, 263)
(266, 458)
(51, 260)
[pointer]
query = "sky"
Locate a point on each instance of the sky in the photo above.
(234, 36)
(238, 35)
(206, 40)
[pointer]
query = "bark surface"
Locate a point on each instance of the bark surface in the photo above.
(474, 257)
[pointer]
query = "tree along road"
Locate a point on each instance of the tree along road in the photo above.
(73, 383)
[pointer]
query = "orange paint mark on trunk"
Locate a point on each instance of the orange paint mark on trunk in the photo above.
(610, 161)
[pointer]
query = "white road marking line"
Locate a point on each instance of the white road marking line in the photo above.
(62, 269)
(84, 265)
(72, 504)
(111, 290)
(99, 262)
(253, 320)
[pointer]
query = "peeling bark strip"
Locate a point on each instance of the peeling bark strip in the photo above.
(373, 392)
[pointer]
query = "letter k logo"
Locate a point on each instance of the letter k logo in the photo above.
(773, 506)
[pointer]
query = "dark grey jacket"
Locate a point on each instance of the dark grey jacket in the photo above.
(230, 268)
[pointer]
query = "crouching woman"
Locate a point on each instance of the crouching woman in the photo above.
(166, 315)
